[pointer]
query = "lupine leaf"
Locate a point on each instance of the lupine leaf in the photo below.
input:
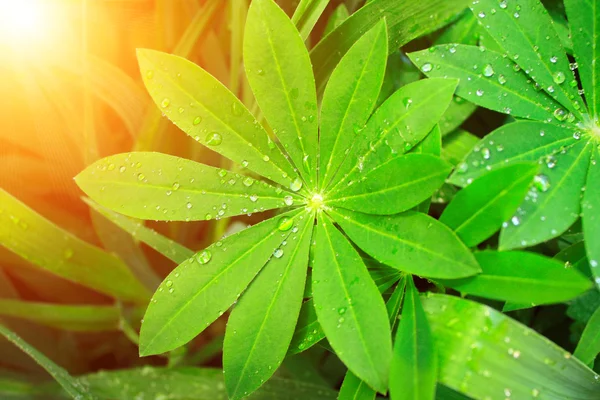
(261, 325)
(584, 21)
(413, 374)
(72, 386)
(398, 125)
(163, 187)
(202, 288)
(307, 14)
(406, 21)
(458, 112)
(432, 144)
(36, 239)
(479, 210)
(521, 277)
(589, 344)
(162, 244)
(411, 242)
(349, 98)
(487, 79)
(211, 115)
(349, 307)
(515, 142)
(463, 30)
(78, 318)
(394, 186)
(337, 16)
(280, 75)
(591, 209)
(526, 32)
(457, 145)
(553, 205)
(504, 357)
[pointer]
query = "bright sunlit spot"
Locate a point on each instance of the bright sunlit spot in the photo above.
(24, 23)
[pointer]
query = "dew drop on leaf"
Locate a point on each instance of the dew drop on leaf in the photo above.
(197, 120)
(203, 257)
(285, 224)
(296, 185)
(288, 200)
(560, 114)
(214, 139)
(488, 70)
(278, 253)
(558, 77)
(248, 181)
(165, 103)
(427, 67)
(541, 182)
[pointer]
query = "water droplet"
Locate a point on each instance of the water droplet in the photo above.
(285, 224)
(253, 198)
(236, 109)
(503, 4)
(141, 177)
(175, 186)
(296, 185)
(541, 182)
(203, 257)
(248, 181)
(560, 114)
(266, 158)
(515, 221)
(278, 253)
(342, 310)
(165, 103)
(427, 67)
(288, 200)
(488, 70)
(197, 120)
(553, 59)
(551, 162)
(501, 79)
(559, 77)
(169, 283)
(479, 92)
(208, 216)
(485, 153)
(189, 205)
(214, 139)
(481, 14)
(149, 74)
(245, 163)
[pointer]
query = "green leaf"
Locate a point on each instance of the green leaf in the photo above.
(307, 14)
(211, 114)
(202, 288)
(589, 344)
(394, 186)
(262, 323)
(575, 256)
(406, 20)
(584, 21)
(68, 317)
(337, 16)
(413, 374)
(350, 308)
(37, 240)
(515, 142)
(280, 75)
(458, 112)
(501, 357)
(71, 385)
(487, 79)
(411, 242)
(162, 244)
(192, 383)
(526, 32)
(180, 190)
(554, 203)
(590, 209)
(350, 97)
(521, 277)
(479, 210)
(399, 124)
(457, 145)
(308, 330)
(463, 30)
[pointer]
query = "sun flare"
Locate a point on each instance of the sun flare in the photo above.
(23, 22)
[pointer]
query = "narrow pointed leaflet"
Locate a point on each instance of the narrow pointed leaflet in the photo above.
(202, 288)
(590, 208)
(589, 345)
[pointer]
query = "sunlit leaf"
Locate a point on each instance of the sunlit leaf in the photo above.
(411, 242)
(483, 353)
(211, 114)
(307, 14)
(280, 74)
(413, 374)
(162, 187)
(590, 208)
(478, 211)
(337, 16)
(349, 307)
(261, 325)
(202, 288)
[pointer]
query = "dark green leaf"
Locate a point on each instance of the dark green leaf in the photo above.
(307, 14)
(457, 145)
(413, 373)
(338, 15)
(412, 242)
(479, 210)
(589, 344)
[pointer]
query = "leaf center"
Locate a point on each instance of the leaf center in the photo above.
(316, 202)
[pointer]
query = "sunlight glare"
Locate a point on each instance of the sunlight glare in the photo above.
(22, 22)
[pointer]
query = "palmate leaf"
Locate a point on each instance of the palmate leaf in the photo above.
(349, 98)
(68, 317)
(36, 239)
(72, 386)
(479, 210)
(589, 344)
(521, 277)
(590, 207)
(211, 114)
(349, 307)
(261, 325)
(202, 288)
(483, 353)
(398, 125)
(526, 33)
(163, 187)
(280, 74)
(411, 241)
(413, 374)
(487, 79)
(584, 16)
